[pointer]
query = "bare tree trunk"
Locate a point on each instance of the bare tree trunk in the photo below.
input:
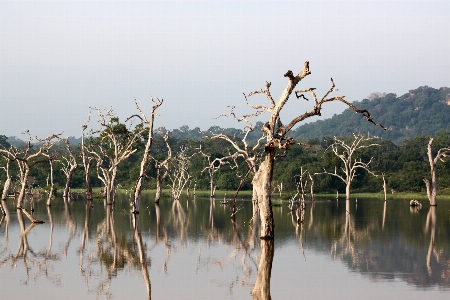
(254, 202)
(52, 186)
(311, 186)
(262, 182)
(261, 290)
(212, 186)
(87, 166)
(7, 184)
(158, 185)
(5, 212)
(384, 186)
(431, 186)
(347, 190)
(6, 188)
(140, 182)
(23, 183)
(68, 180)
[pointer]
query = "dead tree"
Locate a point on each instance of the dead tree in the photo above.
(149, 123)
(86, 159)
(250, 154)
(114, 144)
(69, 166)
(431, 186)
(178, 173)
(214, 165)
(7, 184)
(26, 159)
(162, 168)
(277, 139)
(51, 157)
(346, 154)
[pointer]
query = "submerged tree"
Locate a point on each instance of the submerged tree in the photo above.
(250, 153)
(178, 174)
(27, 158)
(142, 172)
(213, 165)
(69, 166)
(114, 144)
(7, 184)
(346, 154)
(277, 139)
(87, 160)
(161, 165)
(51, 156)
(431, 186)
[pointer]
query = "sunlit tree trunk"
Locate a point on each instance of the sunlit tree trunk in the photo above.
(431, 186)
(262, 182)
(158, 185)
(69, 168)
(384, 187)
(86, 162)
(23, 184)
(7, 184)
(140, 181)
(52, 185)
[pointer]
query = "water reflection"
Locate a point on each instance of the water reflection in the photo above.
(193, 246)
(142, 254)
(261, 291)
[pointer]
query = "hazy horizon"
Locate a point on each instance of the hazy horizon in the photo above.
(58, 58)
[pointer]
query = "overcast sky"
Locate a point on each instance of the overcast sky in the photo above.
(57, 58)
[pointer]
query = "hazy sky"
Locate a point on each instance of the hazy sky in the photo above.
(57, 58)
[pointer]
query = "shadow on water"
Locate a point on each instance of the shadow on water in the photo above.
(192, 249)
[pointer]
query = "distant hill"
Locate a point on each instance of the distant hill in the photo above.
(423, 111)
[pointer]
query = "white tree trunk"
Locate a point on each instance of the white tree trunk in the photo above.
(262, 182)
(6, 188)
(212, 186)
(23, 183)
(52, 186)
(158, 185)
(347, 190)
(431, 186)
(68, 180)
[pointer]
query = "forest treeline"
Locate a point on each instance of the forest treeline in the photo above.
(423, 111)
(404, 165)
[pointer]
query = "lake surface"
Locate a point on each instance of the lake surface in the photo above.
(361, 249)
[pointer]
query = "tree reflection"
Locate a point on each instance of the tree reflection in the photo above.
(142, 254)
(261, 289)
(344, 244)
(36, 264)
(431, 225)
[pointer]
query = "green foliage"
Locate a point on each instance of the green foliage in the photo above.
(404, 166)
(423, 111)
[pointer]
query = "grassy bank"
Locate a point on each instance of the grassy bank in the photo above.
(286, 195)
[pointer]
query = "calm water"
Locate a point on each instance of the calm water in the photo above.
(191, 250)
